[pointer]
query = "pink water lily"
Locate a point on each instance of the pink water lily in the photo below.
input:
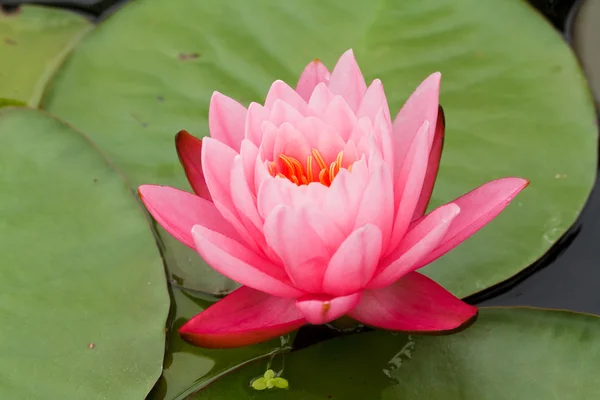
(315, 202)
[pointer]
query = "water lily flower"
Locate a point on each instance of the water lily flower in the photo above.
(315, 203)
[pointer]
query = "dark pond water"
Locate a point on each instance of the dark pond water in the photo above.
(568, 276)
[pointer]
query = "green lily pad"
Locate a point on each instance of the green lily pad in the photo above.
(33, 43)
(188, 368)
(83, 292)
(516, 101)
(516, 354)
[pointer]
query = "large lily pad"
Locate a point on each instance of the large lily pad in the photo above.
(83, 295)
(188, 368)
(33, 43)
(516, 354)
(515, 99)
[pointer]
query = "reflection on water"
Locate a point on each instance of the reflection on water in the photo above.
(396, 361)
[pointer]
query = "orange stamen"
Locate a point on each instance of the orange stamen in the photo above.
(319, 159)
(323, 177)
(338, 161)
(294, 170)
(309, 169)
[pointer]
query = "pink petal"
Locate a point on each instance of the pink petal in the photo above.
(281, 191)
(382, 131)
(189, 150)
(344, 196)
(341, 117)
(409, 183)
(347, 80)
(353, 264)
(421, 106)
(321, 309)
(239, 263)
(416, 245)
(323, 226)
(243, 199)
(478, 207)
(320, 99)
(283, 112)
(314, 73)
(435, 154)
(217, 162)
(302, 251)
(281, 91)
(245, 317)
(257, 114)
(291, 142)
(415, 303)
(322, 137)
(249, 152)
(267, 143)
(373, 101)
(178, 211)
(272, 193)
(377, 204)
(226, 120)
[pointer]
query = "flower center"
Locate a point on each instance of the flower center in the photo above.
(294, 170)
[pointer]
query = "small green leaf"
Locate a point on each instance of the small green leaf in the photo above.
(269, 374)
(281, 383)
(259, 384)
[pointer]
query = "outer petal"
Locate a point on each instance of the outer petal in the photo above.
(377, 204)
(281, 91)
(302, 251)
(353, 264)
(415, 303)
(416, 245)
(243, 199)
(409, 183)
(217, 162)
(347, 80)
(320, 309)
(239, 263)
(478, 207)
(421, 106)
(382, 130)
(226, 120)
(314, 73)
(189, 150)
(245, 317)
(435, 154)
(178, 211)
